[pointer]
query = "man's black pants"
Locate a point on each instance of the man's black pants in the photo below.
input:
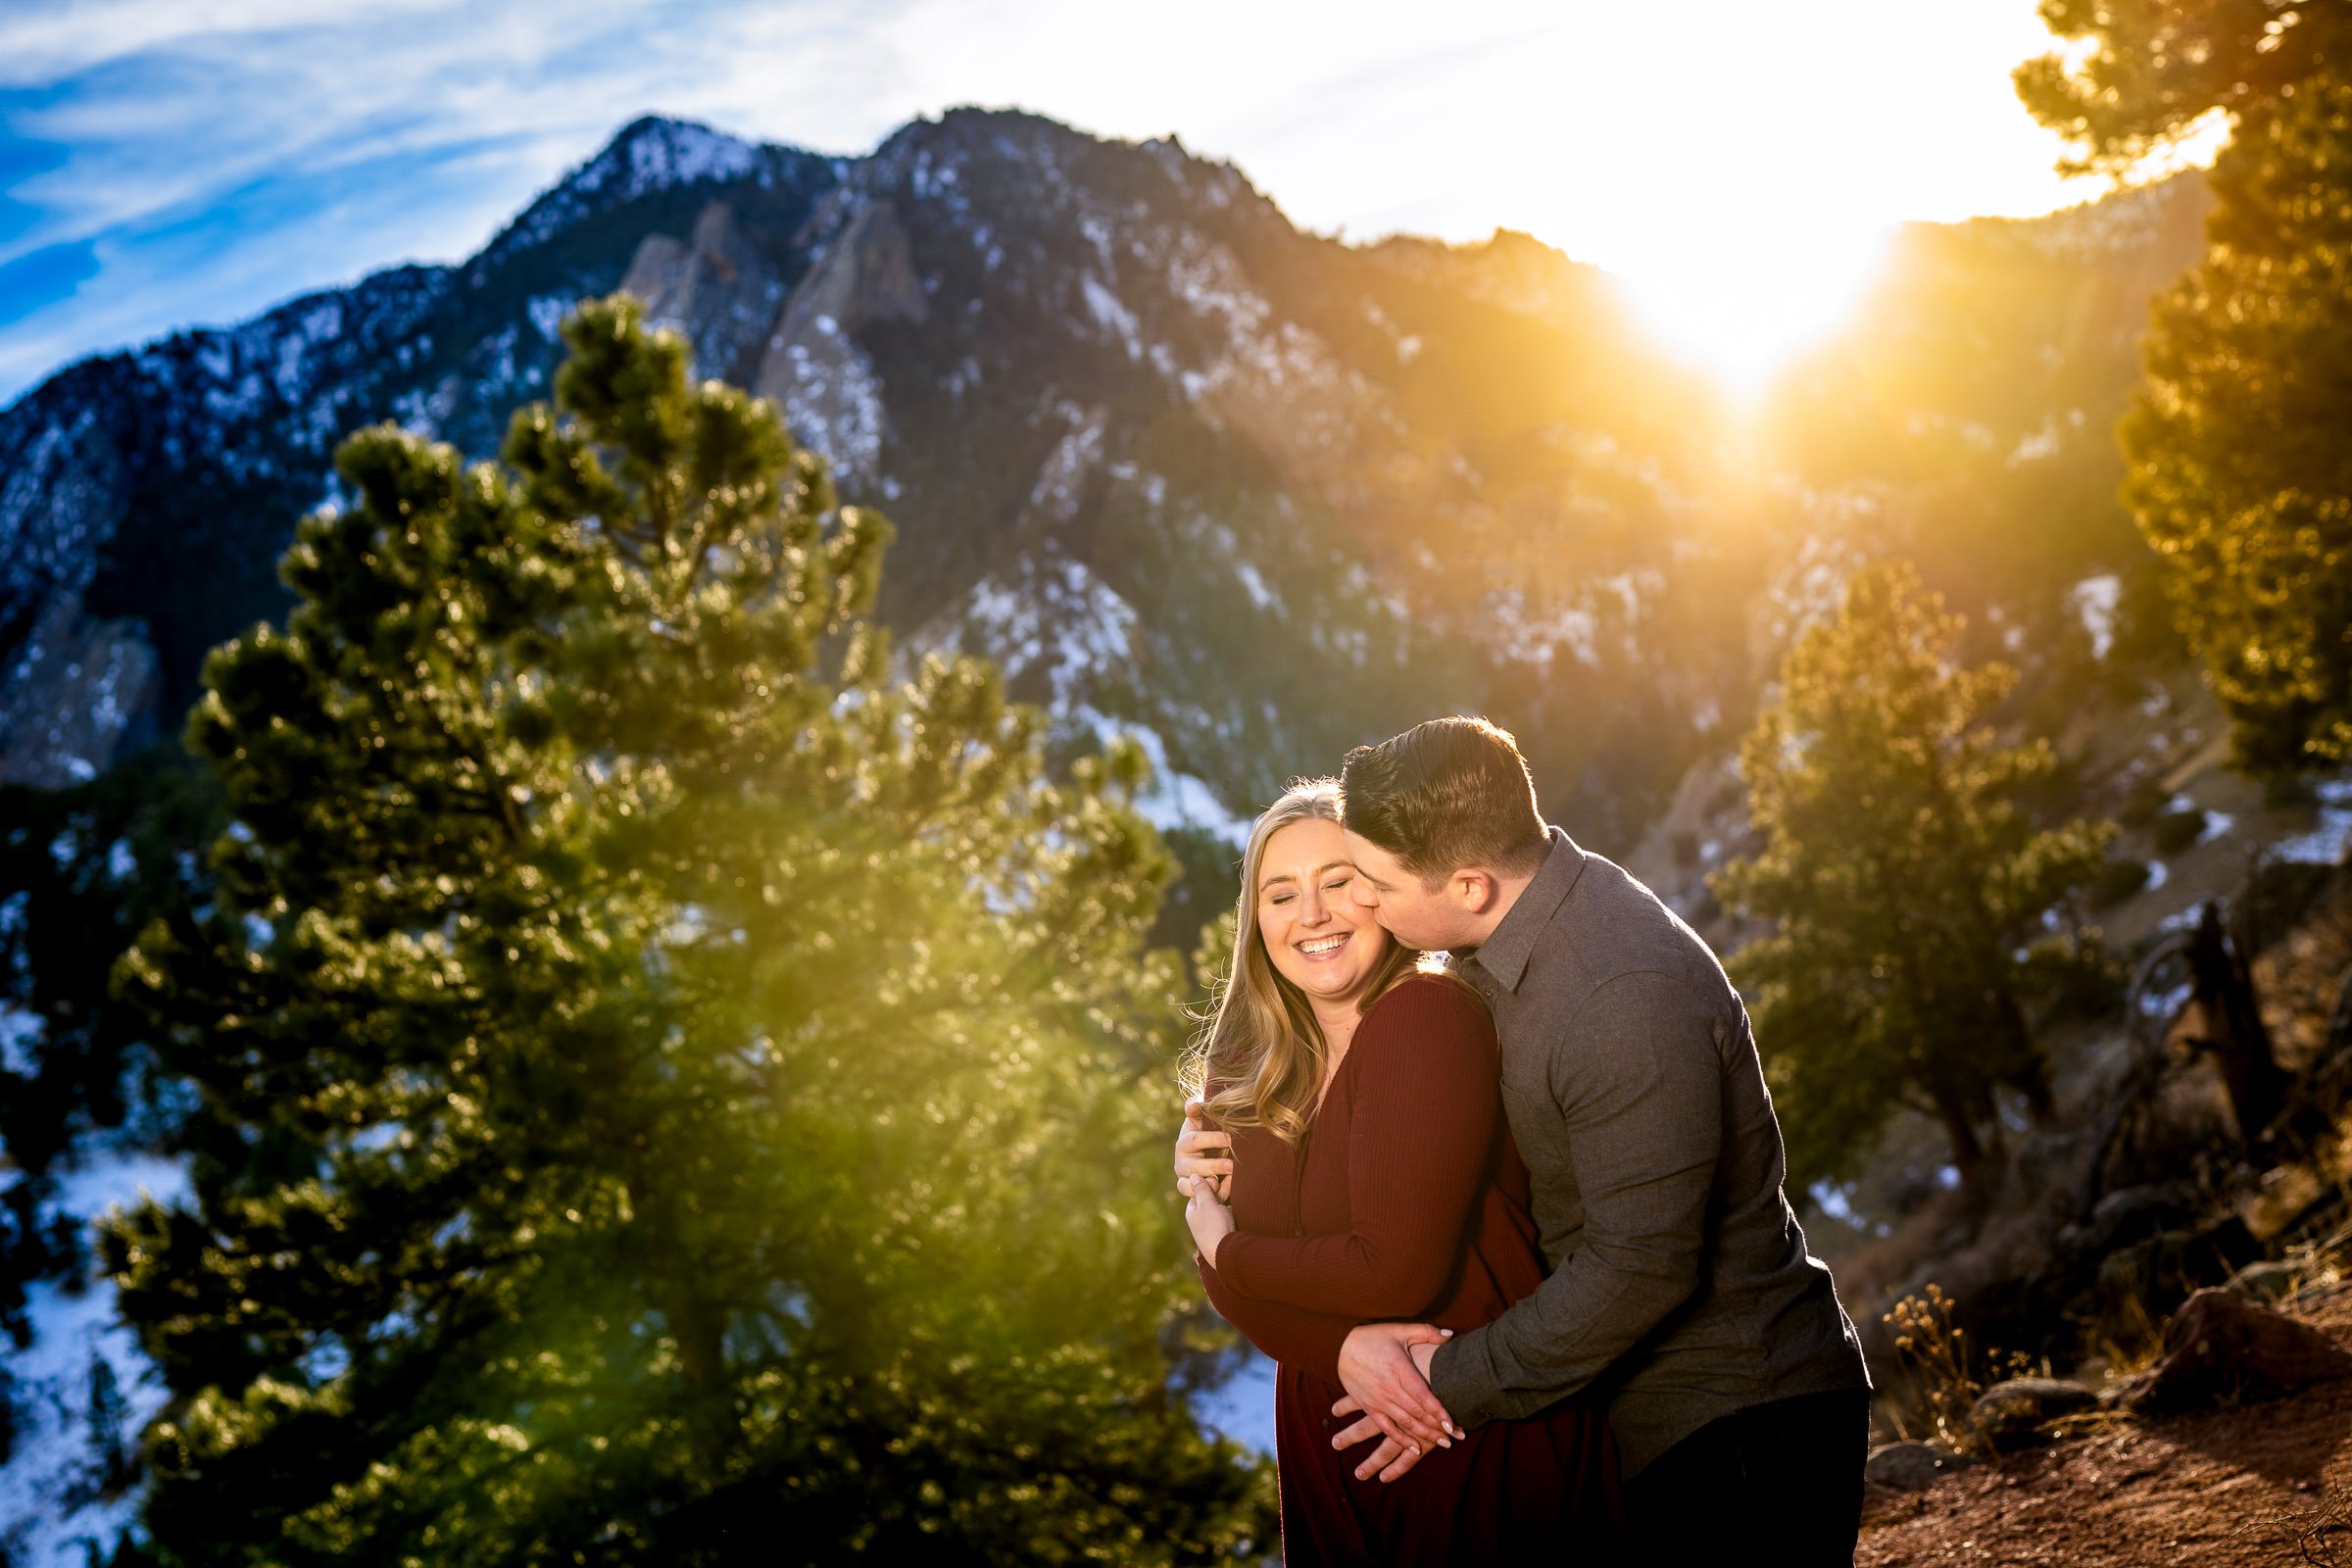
(1778, 1483)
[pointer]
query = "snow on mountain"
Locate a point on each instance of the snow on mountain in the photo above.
(650, 155)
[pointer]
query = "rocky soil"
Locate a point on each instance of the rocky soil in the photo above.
(2254, 1483)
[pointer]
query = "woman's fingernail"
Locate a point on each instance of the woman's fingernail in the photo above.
(1444, 1443)
(1445, 1334)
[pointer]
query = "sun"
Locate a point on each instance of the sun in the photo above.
(1740, 299)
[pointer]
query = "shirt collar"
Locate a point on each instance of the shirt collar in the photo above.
(1504, 955)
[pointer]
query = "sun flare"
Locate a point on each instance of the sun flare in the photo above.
(1741, 306)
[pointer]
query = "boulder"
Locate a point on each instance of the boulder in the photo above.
(1910, 1466)
(2015, 1412)
(2222, 1346)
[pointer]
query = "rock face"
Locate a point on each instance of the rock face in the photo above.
(2222, 1347)
(716, 288)
(813, 366)
(78, 687)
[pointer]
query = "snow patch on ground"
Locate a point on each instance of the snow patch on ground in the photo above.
(1174, 800)
(832, 402)
(2326, 844)
(1060, 486)
(1254, 581)
(1060, 617)
(2042, 443)
(2095, 600)
(20, 1040)
(54, 1512)
(1111, 314)
(1813, 586)
(547, 313)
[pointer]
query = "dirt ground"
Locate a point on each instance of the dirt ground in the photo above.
(2261, 1484)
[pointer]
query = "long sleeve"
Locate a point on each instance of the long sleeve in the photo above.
(1637, 1078)
(1420, 1141)
(1290, 1335)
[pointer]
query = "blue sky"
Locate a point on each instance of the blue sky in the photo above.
(166, 163)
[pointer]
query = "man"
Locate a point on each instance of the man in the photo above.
(1681, 1291)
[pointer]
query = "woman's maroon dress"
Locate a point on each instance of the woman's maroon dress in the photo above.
(1405, 1200)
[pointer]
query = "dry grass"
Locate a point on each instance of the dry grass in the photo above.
(2319, 1531)
(1937, 1373)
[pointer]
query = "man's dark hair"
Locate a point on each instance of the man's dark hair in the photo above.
(1447, 793)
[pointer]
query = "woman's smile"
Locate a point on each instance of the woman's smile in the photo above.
(1309, 916)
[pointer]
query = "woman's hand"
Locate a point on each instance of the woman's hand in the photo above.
(1210, 1220)
(1203, 1154)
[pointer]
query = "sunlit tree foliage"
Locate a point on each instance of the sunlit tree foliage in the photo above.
(669, 1095)
(2147, 70)
(2240, 466)
(1904, 887)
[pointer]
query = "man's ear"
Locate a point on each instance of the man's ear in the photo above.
(1475, 889)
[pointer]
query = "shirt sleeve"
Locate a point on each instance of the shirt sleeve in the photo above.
(1290, 1335)
(1420, 1146)
(1637, 1081)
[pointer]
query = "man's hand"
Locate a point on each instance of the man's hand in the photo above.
(1384, 1367)
(1203, 1154)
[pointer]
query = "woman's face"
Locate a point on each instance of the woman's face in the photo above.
(1320, 939)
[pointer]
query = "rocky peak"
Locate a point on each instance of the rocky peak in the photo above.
(650, 154)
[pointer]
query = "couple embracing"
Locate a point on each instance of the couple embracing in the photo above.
(1515, 1217)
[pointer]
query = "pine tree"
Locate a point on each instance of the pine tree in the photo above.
(1902, 883)
(2240, 469)
(669, 1095)
(2143, 71)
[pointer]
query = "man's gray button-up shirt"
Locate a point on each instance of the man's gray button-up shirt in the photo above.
(1681, 1290)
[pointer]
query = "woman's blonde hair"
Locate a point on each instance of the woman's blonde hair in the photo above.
(1261, 1046)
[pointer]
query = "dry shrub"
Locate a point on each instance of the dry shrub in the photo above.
(1937, 1373)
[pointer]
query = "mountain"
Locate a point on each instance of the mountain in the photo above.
(1185, 470)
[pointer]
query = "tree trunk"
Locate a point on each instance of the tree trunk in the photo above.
(2236, 1036)
(1967, 1152)
(2033, 1079)
(697, 1323)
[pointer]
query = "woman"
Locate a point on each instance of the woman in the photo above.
(1372, 1176)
